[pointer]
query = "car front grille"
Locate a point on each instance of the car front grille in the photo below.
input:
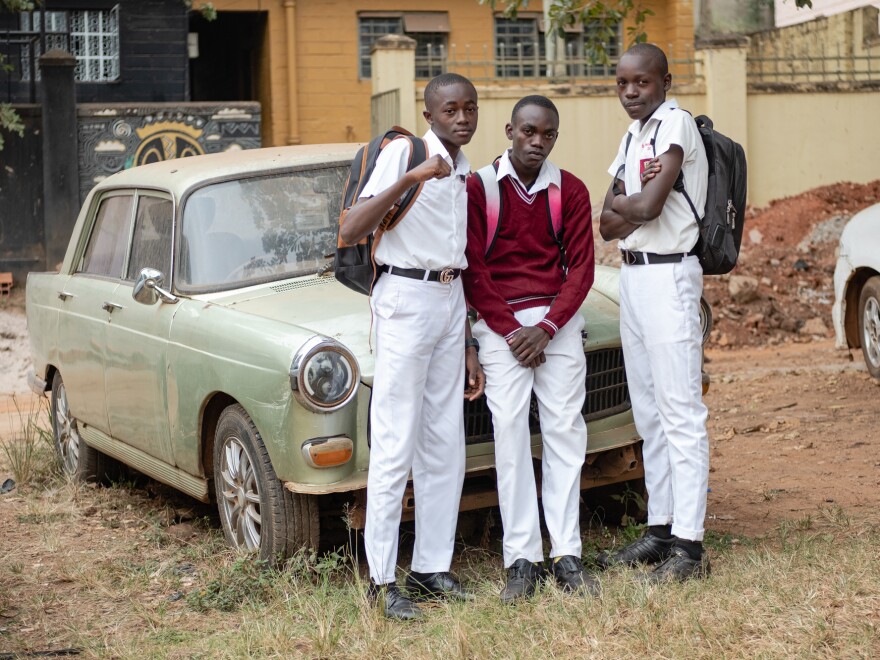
(607, 394)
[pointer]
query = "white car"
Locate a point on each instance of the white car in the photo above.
(856, 311)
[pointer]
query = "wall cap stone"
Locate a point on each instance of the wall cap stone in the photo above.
(718, 41)
(57, 57)
(393, 42)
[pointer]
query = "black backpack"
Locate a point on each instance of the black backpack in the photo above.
(354, 265)
(721, 227)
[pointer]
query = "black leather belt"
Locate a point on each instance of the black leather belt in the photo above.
(642, 258)
(444, 276)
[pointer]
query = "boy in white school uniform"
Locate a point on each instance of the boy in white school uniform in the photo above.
(416, 413)
(660, 286)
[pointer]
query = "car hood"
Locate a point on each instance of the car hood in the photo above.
(323, 306)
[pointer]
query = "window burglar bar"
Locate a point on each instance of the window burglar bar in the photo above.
(524, 62)
(846, 67)
(20, 50)
(91, 36)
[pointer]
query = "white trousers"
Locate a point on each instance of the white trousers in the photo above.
(416, 418)
(660, 333)
(559, 385)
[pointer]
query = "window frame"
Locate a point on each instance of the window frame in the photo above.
(66, 38)
(427, 63)
(512, 68)
(83, 248)
(151, 194)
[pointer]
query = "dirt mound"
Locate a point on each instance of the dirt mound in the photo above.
(782, 289)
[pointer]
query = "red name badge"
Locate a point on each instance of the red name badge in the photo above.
(643, 164)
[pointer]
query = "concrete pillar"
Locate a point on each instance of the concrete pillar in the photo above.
(724, 71)
(394, 67)
(60, 154)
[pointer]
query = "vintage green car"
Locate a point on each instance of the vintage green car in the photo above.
(195, 332)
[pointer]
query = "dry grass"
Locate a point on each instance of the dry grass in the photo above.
(108, 571)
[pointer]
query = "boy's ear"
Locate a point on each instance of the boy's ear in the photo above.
(508, 130)
(667, 82)
(428, 117)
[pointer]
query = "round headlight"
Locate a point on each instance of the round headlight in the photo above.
(324, 375)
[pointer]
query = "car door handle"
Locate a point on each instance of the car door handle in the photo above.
(110, 306)
(64, 295)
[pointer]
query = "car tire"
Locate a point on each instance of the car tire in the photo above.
(869, 325)
(78, 460)
(257, 512)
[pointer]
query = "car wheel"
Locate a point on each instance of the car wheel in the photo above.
(869, 325)
(705, 319)
(257, 513)
(78, 460)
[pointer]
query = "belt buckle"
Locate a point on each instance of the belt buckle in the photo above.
(629, 258)
(447, 275)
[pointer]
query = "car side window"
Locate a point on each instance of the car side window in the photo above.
(151, 242)
(108, 243)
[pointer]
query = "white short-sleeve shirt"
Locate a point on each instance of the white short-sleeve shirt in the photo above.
(675, 230)
(433, 234)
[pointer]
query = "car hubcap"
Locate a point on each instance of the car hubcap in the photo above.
(871, 332)
(68, 436)
(241, 495)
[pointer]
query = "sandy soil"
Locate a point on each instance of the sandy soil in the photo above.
(14, 352)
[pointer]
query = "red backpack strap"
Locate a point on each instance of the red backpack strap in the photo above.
(554, 206)
(554, 210)
(489, 178)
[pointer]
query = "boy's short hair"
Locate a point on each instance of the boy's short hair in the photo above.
(444, 80)
(653, 53)
(533, 99)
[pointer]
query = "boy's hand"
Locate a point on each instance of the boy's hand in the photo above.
(652, 168)
(476, 379)
(433, 168)
(528, 345)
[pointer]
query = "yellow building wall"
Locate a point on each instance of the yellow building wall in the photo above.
(332, 102)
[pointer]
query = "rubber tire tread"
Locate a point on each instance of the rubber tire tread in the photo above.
(92, 465)
(870, 290)
(289, 521)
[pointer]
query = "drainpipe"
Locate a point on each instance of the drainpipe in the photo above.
(292, 104)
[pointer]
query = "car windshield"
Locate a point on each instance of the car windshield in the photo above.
(260, 229)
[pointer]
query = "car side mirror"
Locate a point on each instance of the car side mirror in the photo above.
(148, 288)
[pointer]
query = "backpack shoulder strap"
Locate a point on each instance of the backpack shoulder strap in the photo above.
(489, 178)
(554, 206)
(418, 154)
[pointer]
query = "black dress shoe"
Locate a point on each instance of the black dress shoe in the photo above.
(572, 576)
(680, 567)
(397, 605)
(649, 549)
(437, 585)
(522, 580)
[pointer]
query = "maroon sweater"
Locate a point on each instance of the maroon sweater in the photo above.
(524, 267)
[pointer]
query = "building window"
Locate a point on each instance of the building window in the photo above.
(429, 29)
(90, 35)
(520, 50)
